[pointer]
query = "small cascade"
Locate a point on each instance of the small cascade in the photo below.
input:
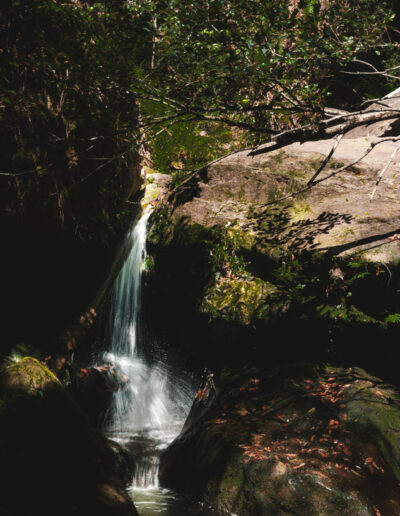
(150, 407)
(146, 474)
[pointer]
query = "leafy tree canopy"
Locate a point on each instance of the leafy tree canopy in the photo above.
(86, 84)
(266, 66)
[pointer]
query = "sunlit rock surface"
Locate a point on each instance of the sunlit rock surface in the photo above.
(255, 274)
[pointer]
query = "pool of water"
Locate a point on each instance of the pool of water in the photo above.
(156, 501)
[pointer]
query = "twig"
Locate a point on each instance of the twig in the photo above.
(390, 274)
(338, 171)
(382, 172)
(19, 173)
(328, 157)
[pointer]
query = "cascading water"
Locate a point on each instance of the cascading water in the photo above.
(150, 407)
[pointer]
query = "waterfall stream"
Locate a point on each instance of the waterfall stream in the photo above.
(155, 396)
(149, 409)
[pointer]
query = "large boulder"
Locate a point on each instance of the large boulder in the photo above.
(52, 461)
(321, 267)
(94, 389)
(305, 440)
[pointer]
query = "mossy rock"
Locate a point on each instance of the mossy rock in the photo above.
(48, 447)
(156, 186)
(237, 299)
(27, 377)
(246, 273)
(304, 440)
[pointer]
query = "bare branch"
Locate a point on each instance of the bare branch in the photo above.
(375, 71)
(382, 172)
(338, 171)
(324, 163)
(10, 174)
(382, 74)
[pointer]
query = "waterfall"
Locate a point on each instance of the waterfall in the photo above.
(152, 403)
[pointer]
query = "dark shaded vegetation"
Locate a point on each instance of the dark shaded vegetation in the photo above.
(322, 308)
(69, 159)
(52, 461)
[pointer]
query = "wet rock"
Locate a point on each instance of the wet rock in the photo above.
(94, 388)
(52, 461)
(304, 440)
(123, 463)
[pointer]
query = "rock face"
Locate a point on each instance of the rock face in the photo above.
(305, 440)
(52, 461)
(320, 268)
(334, 217)
(242, 273)
(94, 388)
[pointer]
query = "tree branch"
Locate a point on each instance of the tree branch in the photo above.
(382, 172)
(338, 171)
(324, 163)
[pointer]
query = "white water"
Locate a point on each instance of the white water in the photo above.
(149, 410)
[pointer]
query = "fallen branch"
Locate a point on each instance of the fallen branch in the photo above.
(326, 160)
(338, 171)
(382, 172)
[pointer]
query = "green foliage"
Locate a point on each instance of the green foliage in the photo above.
(148, 264)
(393, 319)
(296, 285)
(178, 148)
(262, 66)
(225, 255)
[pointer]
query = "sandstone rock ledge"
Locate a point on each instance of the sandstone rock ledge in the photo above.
(321, 268)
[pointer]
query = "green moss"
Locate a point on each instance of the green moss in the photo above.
(241, 238)
(231, 484)
(300, 211)
(346, 234)
(161, 228)
(28, 376)
(152, 190)
(237, 299)
(335, 164)
(277, 156)
(379, 420)
(345, 313)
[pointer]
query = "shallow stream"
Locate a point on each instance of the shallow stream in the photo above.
(158, 500)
